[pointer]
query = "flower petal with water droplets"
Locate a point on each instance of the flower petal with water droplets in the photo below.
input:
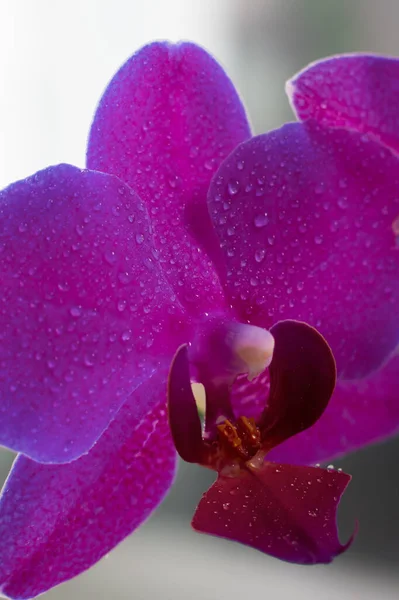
(286, 511)
(320, 204)
(355, 91)
(166, 121)
(58, 520)
(85, 311)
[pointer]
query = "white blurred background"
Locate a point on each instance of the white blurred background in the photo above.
(55, 60)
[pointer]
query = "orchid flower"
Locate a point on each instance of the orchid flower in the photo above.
(183, 220)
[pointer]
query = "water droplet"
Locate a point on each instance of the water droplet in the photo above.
(126, 335)
(139, 238)
(342, 202)
(318, 239)
(124, 277)
(22, 227)
(88, 360)
(110, 256)
(240, 165)
(75, 311)
(330, 468)
(261, 220)
(312, 513)
(121, 305)
(233, 187)
(173, 180)
(260, 255)
(63, 286)
(226, 505)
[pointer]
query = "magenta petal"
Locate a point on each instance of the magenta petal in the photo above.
(302, 380)
(359, 413)
(166, 121)
(357, 91)
(85, 313)
(58, 520)
(286, 511)
(184, 420)
(308, 235)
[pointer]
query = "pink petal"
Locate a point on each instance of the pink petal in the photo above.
(286, 511)
(308, 235)
(86, 312)
(302, 380)
(166, 121)
(184, 420)
(58, 520)
(359, 413)
(357, 91)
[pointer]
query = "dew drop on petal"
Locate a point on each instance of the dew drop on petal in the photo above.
(75, 311)
(260, 255)
(126, 335)
(261, 220)
(121, 305)
(110, 257)
(233, 187)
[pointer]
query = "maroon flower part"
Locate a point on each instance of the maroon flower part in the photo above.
(283, 510)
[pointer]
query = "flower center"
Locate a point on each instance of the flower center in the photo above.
(242, 440)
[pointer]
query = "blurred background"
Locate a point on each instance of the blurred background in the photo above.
(55, 60)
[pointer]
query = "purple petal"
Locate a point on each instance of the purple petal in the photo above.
(58, 520)
(184, 420)
(85, 314)
(308, 235)
(302, 380)
(357, 91)
(286, 511)
(166, 121)
(359, 413)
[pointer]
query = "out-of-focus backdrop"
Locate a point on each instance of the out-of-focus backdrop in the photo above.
(55, 59)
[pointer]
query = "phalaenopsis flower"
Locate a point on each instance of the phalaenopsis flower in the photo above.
(182, 221)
